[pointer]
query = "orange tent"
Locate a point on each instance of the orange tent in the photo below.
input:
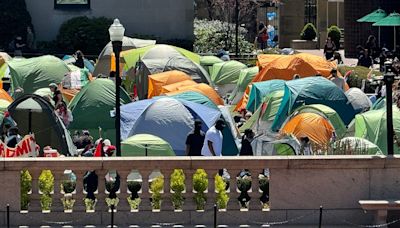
(157, 81)
(176, 86)
(4, 96)
(202, 88)
(317, 128)
(265, 59)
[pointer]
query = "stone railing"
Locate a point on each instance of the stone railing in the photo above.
(298, 186)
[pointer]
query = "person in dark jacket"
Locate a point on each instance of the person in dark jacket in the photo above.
(247, 138)
(79, 59)
(195, 140)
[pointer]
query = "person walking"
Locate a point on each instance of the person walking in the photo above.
(262, 36)
(247, 138)
(195, 140)
(329, 48)
(212, 145)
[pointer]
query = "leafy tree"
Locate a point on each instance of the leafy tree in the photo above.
(14, 20)
(309, 32)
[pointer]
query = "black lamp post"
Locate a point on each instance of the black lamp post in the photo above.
(117, 31)
(389, 80)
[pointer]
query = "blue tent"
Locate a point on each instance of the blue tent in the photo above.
(168, 118)
(71, 59)
(313, 90)
(195, 97)
(261, 89)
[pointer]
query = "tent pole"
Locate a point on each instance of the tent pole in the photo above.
(394, 27)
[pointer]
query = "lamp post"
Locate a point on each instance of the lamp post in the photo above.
(389, 80)
(117, 31)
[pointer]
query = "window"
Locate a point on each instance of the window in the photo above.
(310, 14)
(71, 4)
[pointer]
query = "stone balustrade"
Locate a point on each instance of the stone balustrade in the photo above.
(297, 188)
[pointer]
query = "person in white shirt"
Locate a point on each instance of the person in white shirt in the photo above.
(339, 82)
(213, 141)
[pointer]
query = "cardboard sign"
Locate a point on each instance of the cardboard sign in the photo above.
(25, 148)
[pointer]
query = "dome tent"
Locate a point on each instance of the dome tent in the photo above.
(202, 88)
(358, 99)
(259, 90)
(161, 115)
(91, 108)
(207, 62)
(145, 145)
(195, 97)
(157, 81)
(35, 114)
(225, 75)
(245, 77)
(355, 145)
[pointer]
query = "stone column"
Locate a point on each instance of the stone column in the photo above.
(291, 21)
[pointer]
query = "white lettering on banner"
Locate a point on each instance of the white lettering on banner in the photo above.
(25, 148)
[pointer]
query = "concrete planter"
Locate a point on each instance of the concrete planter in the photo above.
(303, 44)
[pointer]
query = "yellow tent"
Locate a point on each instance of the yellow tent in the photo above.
(157, 81)
(175, 87)
(202, 88)
(317, 128)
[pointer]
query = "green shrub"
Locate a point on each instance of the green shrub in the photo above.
(222, 196)
(134, 203)
(134, 187)
(46, 186)
(178, 186)
(200, 185)
(156, 187)
(309, 32)
(263, 182)
(68, 203)
(358, 74)
(26, 186)
(334, 33)
(90, 204)
(89, 35)
(68, 186)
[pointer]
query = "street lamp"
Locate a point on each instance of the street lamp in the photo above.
(117, 31)
(389, 80)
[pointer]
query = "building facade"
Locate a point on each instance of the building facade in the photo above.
(166, 19)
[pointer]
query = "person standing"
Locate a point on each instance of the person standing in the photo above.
(370, 46)
(19, 46)
(246, 149)
(79, 62)
(339, 82)
(195, 140)
(57, 96)
(262, 36)
(13, 137)
(329, 48)
(213, 140)
(30, 39)
(64, 113)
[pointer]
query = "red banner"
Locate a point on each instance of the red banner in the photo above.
(25, 148)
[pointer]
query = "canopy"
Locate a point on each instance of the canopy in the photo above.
(313, 90)
(311, 125)
(393, 20)
(260, 89)
(208, 61)
(195, 97)
(373, 17)
(328, 113)
(35, 73)
(91, 108)
(355, 146)
(145, 145)
(35, 114)
(103, 65)
(163, 115)
(176, 86)
(203, 89)
(157, 81)
(245, 77)
(358, 99)
(226, 72)
(371, 125)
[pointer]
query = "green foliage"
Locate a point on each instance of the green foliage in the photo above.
(68, 202)
(89, 204)
(134, 187)
(178, 186)
(210, 36)
(26, 186)
(111, 202)
(156, 187)
(244, 184)
(14, 21)
(45, 202)
(68, 186)
(358, 74)
(89, 35)
(46, 186)
(264, 183)
(222, 196)
(309, 32)
(134, 203)
(200, 185)
(334, 33)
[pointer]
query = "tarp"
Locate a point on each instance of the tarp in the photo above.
(36, 112)
(145, 145)
(157, 81)
(196, 98)
(103, 64)
(371, 125)
(167, 118)
(226, 72)
(355, 146)
(245, 77)
(35, 73)
(203, 89)
(208, 61)
(261, 89)
(327, 112)
(311, 125)
(313, 90)
(358, 99)
(91, 108)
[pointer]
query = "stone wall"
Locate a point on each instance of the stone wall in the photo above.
(291, 21)
(167, 19)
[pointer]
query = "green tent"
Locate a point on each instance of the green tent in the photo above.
(259, 90)
(262, 119)
(245, 77)
(379, 104)
(195, 97)
(146, 145)
(355, 146)
(35, 73)
(208, 61)
(371, 125)
(91, 108)
(226, 72)
(327, 112)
